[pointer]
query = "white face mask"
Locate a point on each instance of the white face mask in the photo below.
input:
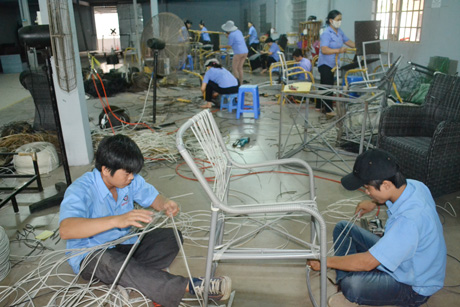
(336, 24)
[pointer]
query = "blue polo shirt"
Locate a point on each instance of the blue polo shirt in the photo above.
(183, 35)
(222, 77)
(205, 36)
(236, 41)
(89, 197)
(253, 38)
(274, 48)
(413, 250)
(332, 40)
(306, 65)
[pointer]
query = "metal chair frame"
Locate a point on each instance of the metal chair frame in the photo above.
(206, 131)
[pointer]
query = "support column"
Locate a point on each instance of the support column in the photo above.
(72, 106)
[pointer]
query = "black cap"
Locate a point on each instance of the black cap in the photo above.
(269, 40)
(373, 164)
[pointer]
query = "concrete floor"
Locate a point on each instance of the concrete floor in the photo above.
(257, 283)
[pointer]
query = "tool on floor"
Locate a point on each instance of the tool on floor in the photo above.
(242, 142)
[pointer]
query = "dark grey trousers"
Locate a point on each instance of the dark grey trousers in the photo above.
(144, 270)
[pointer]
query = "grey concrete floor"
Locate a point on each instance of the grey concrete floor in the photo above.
(257, 283)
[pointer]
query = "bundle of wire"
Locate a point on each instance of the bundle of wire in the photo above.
(159, 146)
(5, 265)
(51, 281)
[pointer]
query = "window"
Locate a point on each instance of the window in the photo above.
(401, 20)
(299, 13)
(263, 18)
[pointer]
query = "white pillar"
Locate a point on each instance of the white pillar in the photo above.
(72, 106)
(25, 14)
(138, 35)
(153, 7)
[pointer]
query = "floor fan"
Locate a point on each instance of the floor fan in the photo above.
(164, 47)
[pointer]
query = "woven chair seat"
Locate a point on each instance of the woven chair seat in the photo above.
(426, 139)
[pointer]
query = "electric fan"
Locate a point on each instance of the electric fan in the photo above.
(164, 46)
(170, 29)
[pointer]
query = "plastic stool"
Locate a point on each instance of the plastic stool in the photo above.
(351, 80)
(255, 107)
(231, 100)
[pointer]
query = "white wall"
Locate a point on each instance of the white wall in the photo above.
(350, 13)
(439, 34)
(439, 29)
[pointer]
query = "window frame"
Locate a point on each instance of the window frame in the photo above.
(299, 13)
(401, 20)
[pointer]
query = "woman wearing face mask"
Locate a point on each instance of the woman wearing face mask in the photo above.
(331, 44)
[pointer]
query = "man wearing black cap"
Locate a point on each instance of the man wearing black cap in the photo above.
(404, 267)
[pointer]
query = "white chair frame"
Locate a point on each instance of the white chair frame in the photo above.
(205, 129)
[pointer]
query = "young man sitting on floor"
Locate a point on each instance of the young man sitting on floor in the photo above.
(99, 207)
(405, 266)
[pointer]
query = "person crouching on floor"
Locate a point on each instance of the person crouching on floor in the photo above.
(217, 80)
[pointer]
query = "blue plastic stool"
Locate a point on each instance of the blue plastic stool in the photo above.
(231, 100)
(350, 80)
(255, 107)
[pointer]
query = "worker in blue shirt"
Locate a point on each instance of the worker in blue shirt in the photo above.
(331, 45)
(405, 266)
(205, 38)
(240, 50)
(253, 39)
(304, 63)
(98, 208)
(184, 34)
(270, 56)
(217, 80)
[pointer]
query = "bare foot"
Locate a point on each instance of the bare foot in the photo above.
(263, 71)
(206, 105)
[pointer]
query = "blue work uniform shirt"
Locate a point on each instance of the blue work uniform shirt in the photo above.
(253, 38)
(332, 40)
(89, 197)
(183, 35)
(274, 48)
(205, 36)
(236, 41)
(221, 76)
(413, 250)
(306, 65)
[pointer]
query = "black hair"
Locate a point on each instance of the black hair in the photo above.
(202, 23)
(188, 21)
(119, 152)
(332, 14)
(297, 53)
(251, 23)
(398, 180)
(214, 64)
